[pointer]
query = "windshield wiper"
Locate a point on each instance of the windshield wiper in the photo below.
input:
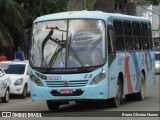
(53, 58)
(69, 48)
(61, 45)
(56, 40)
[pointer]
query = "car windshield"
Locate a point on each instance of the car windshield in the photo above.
(68, 44)
(13, 68)
(157, 56)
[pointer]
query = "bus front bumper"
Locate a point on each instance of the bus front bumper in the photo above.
(88, 92)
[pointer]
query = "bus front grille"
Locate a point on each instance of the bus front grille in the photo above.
(70, 83)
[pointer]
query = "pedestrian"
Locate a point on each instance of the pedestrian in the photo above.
(19, 54)
(3, 57)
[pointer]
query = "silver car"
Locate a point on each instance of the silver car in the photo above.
(157, 62)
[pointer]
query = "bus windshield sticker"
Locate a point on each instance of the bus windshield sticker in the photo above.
(61, 64)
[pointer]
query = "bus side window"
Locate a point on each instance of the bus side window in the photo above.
(128, 35)
(118, 28)
(111, 40)
(136, 35)
(144, 34)
(150, 36)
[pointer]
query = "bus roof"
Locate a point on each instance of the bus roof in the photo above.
(89, 15)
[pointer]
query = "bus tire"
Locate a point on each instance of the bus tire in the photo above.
(116, 101)
(141, 94)
(129, 97)
(24, 94)
(52, 105)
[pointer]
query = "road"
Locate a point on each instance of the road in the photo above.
(151, 103)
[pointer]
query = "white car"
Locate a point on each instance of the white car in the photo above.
(19, 77)
(157, 62)
(4, 86)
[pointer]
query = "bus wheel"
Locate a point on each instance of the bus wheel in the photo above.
(53, 105)
(24, 94)
(141, 94)
(116, 101)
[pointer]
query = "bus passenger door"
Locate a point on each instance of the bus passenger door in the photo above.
(111, 60)
(111, 45)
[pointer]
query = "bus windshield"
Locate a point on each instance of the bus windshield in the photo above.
(74, 43)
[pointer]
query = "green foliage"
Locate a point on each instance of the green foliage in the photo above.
(36, 8)
(155, 2)
(11, 21)
(89, 5)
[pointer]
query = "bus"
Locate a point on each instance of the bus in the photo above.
(90, 55)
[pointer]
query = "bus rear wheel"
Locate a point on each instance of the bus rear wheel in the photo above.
(24, 94)
(53, 105)
(116, 101)
(141, 94)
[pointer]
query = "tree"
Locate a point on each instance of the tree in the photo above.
(155, 2)
(36, 8)
(11, 21)
(88, 4)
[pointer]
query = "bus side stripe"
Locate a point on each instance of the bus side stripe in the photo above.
(146, 60)
(127, 72)
(150, 60)
(135, 60)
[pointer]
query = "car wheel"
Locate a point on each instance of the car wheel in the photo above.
(52, 105)
(24, 94)
(6, 97)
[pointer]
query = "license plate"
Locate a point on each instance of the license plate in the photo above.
(66, 92)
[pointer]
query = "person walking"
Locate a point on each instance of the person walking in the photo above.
(19, 54)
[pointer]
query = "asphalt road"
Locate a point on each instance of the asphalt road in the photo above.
(151, 103)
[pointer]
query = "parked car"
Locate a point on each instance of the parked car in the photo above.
(157, 62)
(19, 77)
(4, 86)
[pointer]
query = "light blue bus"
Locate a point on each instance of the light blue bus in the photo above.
(90, 55)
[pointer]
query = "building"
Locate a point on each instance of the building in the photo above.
(153, 13)
(116, 6)
(113, 6)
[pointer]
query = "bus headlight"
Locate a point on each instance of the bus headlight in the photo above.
(98, 78)
(36, 80)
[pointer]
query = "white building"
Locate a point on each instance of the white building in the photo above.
(153, 13)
